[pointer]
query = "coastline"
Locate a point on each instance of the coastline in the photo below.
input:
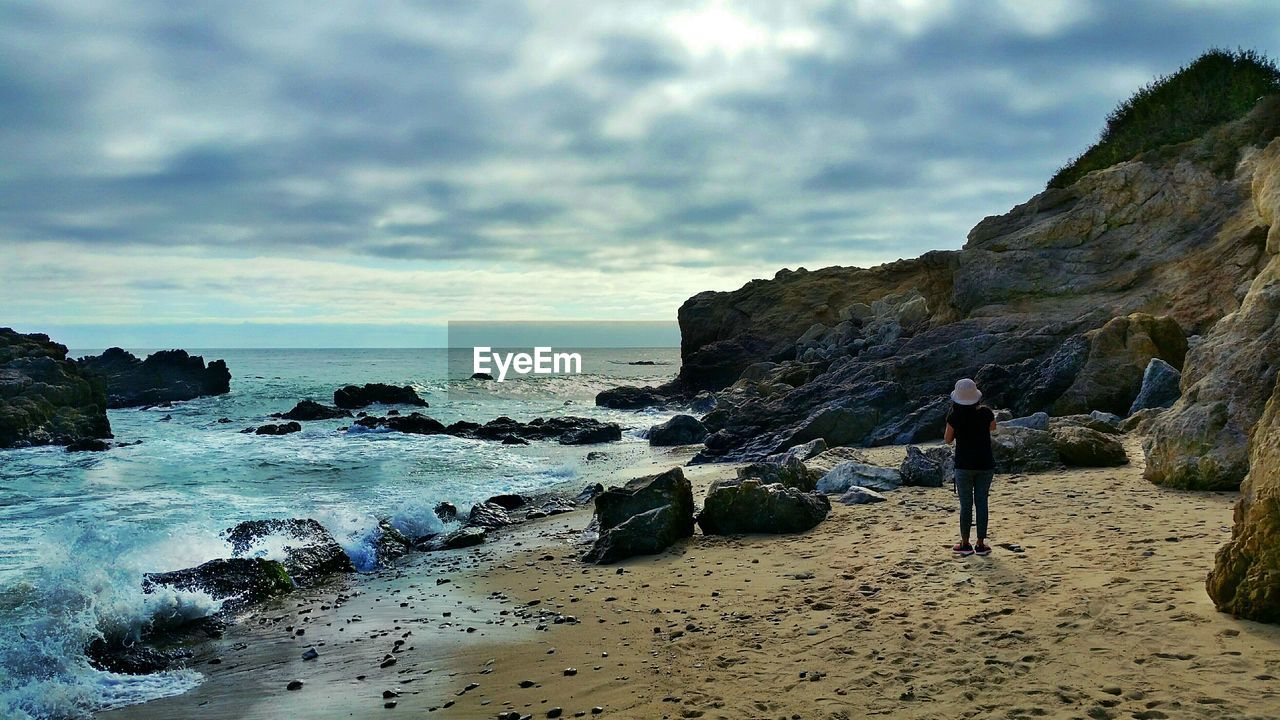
(1103, 614)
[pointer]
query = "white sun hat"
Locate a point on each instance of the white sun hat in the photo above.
(966, 392)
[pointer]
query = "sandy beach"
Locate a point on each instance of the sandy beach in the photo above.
(1092, 606)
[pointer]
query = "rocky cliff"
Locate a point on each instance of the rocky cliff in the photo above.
(1058, 305)
(165, 376)
(44, 398)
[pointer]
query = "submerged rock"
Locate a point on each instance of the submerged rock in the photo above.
(351, 397)
(88, 445)
(280, 429)
(46, 399)
(679, 430)
(1083, 447)
(1161, 386)
(311, 410)
(852, 473)
(165, 376)
(311, 552)
(747, 506)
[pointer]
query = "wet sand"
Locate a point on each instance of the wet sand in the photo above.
(1094, 609)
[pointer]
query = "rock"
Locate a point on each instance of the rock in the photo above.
(1245, 580)
(165, 376)
(588, 494)
(703, 402)
(861, 496)
(1092, 422)
(88, 445)
(632, 398)
(933, 467)
(239, 582)
(1119, 353)
(647, 533)
(311, 552)
(1082, 447)
(856, 474)
(294, 685)
(808, 450)
(1035, 421)
(390, 543)
(792, 474)
(508, 501)
(46, 399)
(1018, 450)
(1142, 420)
(597, 433)
(1161, 386)
(130, 657)
(487, 515)
(351, 397)
(466, 537)
(679, 430)
(280, 429)
(746, 506)
(446, 511)
(310, 654)
(481, 376)
(824, 461)
(310, 410)
(415, 423)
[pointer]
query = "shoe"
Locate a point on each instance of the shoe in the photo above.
(982, 549)
(962, 549)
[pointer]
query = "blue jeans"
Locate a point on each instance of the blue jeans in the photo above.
(973, 487)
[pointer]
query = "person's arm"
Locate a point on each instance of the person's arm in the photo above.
(949, 435)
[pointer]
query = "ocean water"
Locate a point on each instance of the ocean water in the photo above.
(78, 530)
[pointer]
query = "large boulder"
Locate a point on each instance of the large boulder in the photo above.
(792, 474)
(852, 473)
(805, 451)
(1245, 580)
(679, 430)
(931, 467)
(746, 506)
(238, 582)
(1119, 353)
(165, 376)
(311, 553)
(46, 399)
(488, 515)
(1083, 447)
(643, 517)
(311, 410)
(592, 434)
(1161, 386)
(1035, 421)
(351, 397)
(1018, 450)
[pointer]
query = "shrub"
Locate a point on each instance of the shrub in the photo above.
(1218, 87)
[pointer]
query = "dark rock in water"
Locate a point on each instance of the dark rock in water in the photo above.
(933, 467)
(601, 433)
(616, 504)
(88, 445)
(508, 501)
(647, 533)
(240, 582)
(1082, 447)
(311, 552)
(488, 515)
(1161, 387)
(679, 430)
(703, 402)
(164, 376)
(1019, 450)
(280, 429)
(813, 448)
(131, 657)
(46, 399)
(631, 398)
(391, 543)
(746, 506)
(462, 538)
(588, 494)
(481, 376)
(513, 440)
(446, 511)
(414, 423)
(311, 410)
(643, 517)
(852, 473)
(358, 396)
(792, 474)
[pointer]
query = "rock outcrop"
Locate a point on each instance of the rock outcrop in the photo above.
(568, 429)
(165, 376)
(643, 517)
(45, 399)
(352, 397)
(311, 410)
(239, 582)
(742, 506)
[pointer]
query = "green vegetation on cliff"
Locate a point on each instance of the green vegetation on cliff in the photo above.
(1218, 87)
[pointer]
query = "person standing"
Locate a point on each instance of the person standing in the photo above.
(969, 426)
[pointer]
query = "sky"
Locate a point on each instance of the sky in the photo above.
(287, 173)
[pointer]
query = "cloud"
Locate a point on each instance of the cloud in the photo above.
(574, 143)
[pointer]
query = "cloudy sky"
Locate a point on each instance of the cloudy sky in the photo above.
(336, 173)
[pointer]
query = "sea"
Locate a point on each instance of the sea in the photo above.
(79, 530)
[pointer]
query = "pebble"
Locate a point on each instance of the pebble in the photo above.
(294, 685)
(310, 654)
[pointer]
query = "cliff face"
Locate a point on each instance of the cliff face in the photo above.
(44, 398)
(1058, 305)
